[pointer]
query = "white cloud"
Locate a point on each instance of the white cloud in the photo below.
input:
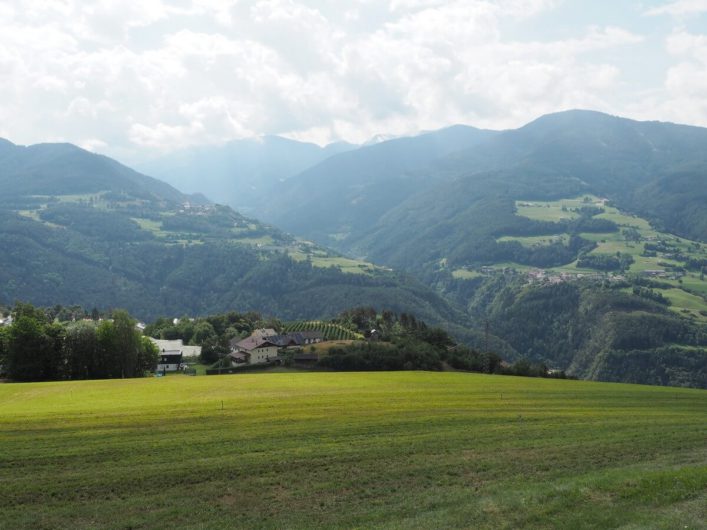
(680, 7)
(128, 77)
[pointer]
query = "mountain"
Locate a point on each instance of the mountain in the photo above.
(53, 169)
(79, 228)
(342, 197)
(569, 206)
(656, 170)
(241, 173)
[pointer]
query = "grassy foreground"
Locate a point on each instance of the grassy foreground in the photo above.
(392, 450)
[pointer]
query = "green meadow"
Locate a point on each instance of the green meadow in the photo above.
(351, 450)
(687, 295)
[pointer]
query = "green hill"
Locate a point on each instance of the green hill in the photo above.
(335, 450)
(77, 228)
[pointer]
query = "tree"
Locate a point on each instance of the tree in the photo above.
(148, 356)
(32, 353)
(108, 363)
(128, 344)
(3, 348)
(202, 331)
(81, 349)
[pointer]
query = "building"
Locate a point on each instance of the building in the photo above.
(263, 345)
(169, 361)
(263, 333)
(172, 345)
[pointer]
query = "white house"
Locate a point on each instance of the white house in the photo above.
(170, 361)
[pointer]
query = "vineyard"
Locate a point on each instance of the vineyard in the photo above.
(329, 330)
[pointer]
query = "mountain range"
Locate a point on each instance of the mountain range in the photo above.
(569, 237)
(240, 173)
(80, 228)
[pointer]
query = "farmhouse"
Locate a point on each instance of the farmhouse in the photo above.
(263, 345)
(170, 361)
(253, 350)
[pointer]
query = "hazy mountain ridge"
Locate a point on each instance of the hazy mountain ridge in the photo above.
(53, 169)
(443, 206)
(342, 197)
(352, 200)
(242, 173)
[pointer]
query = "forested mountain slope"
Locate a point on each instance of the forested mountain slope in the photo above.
(78, 228)
(656, 170)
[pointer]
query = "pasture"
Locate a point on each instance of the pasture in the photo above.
(345, 450)
(686, 295)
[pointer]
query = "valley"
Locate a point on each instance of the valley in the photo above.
(551, 242)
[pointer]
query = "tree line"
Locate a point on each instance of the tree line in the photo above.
(36, 347)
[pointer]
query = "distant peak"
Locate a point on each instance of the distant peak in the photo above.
(380, 138)
(574, 117)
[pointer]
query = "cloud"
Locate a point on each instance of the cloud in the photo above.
(130, 78)
(680, 7)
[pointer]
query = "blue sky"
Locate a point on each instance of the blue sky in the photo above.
(137, 79)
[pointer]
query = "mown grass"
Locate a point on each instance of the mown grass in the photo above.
(335, 450)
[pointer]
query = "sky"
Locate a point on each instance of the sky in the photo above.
(137, 79)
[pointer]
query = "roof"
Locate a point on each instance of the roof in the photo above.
(251, 343)
(263, 333)
(172, 353)
(168, 345)
(283, 341)
(172, 345)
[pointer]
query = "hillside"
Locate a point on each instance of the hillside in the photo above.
(64, 169)
(600, 293)
(78, 228)
(515, 201)
(243, 174)
(342, 197)
(656, 170)
(333, 450)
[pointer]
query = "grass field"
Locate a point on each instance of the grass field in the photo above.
(335, 450)
(347, 265)
(465, 274)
